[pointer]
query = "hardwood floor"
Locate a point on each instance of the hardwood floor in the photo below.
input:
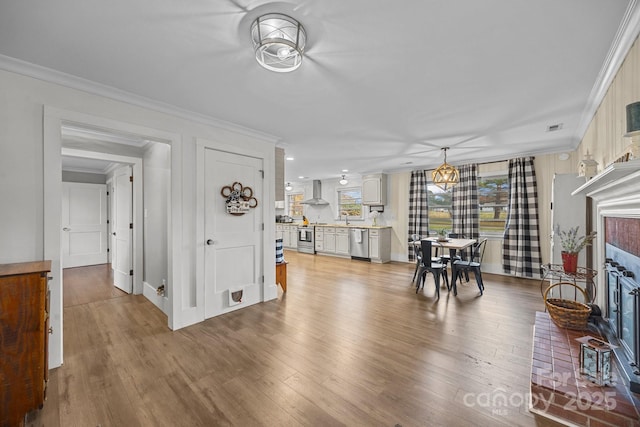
(350, 343)
(83, 285)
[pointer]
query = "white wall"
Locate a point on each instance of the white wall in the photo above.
(22, 179)
(157, 207)
(89, 178)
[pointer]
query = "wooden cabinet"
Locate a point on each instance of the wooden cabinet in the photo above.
(380, 244)
(374, 189)
(281, 275)
(24, 330)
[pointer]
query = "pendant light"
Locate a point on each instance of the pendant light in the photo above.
(446, 176)
(288, 187)
(343, 181)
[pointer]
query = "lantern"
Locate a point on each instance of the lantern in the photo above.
(595, 359)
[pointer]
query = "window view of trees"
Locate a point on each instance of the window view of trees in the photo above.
(493, 198)
(440, 214)
(350, 202)
(296, 209)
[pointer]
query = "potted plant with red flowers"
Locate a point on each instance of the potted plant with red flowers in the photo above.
(572, 244)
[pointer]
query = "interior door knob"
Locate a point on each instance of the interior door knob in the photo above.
(66, 229)
(210, 242)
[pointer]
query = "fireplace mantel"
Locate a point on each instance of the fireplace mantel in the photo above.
(616, 180)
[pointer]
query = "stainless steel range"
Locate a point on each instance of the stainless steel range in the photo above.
(306, 239)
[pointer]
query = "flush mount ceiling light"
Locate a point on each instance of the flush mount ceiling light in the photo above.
(445, 176)
(343, 181)
(288, 187)
(278, 41)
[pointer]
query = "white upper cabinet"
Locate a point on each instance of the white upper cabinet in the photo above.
(374, 189)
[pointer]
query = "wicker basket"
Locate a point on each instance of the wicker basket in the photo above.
(567, 313)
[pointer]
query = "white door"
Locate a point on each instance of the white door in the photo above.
(566, 211)
(84, 224)
(112, 214)
(233, 243)
(123, 229)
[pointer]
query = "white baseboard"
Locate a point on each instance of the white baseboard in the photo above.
(151, 293)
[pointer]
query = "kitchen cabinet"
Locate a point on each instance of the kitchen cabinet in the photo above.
(319, 239)
(24, 316)
(329, 239)
(374, 189)
(334, 240)
(342, 241)
(293, 236)
(380, 245)
(288, 234)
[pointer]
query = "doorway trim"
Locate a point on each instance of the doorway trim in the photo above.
(53, 119)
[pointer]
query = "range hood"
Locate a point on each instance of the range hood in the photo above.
(317, 195)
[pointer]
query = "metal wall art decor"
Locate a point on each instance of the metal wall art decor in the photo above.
(239, 198)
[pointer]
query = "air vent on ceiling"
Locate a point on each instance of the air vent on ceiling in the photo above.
(553, 128)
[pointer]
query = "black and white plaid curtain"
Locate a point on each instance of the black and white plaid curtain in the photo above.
(418, 208)
(464, 202)
(521, 245)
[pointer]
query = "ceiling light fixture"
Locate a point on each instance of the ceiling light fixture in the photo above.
(343, 181)
(288, 187)
(279, 42)
(445, 176)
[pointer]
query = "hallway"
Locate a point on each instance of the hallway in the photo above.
(84, 285)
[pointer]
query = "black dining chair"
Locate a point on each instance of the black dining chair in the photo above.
(417, 253)
(473, 264)
(445, 258)
(428, 265)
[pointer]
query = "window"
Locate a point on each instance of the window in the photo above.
(295, 207)
(350, 202)
(493, 199)
(440, 213)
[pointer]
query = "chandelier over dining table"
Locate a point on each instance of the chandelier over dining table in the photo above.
(445, 176)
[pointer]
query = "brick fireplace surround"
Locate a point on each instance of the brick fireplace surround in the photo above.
(560, 393)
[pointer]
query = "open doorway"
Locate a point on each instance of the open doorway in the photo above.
(62, 139)
(119, 213)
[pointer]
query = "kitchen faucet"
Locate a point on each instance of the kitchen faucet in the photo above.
(346, 219)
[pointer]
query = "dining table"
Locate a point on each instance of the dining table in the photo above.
(454, 245)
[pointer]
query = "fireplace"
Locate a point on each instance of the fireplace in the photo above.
(622, 314)
(615, 215)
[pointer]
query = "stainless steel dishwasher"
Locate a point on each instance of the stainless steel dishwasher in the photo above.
(359, 243)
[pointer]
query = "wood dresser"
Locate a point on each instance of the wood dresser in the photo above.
(24, 332)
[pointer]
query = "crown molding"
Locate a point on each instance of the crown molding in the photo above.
(49, 75)
(624, 39)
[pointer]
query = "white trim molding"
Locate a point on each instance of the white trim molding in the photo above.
(624, 39)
